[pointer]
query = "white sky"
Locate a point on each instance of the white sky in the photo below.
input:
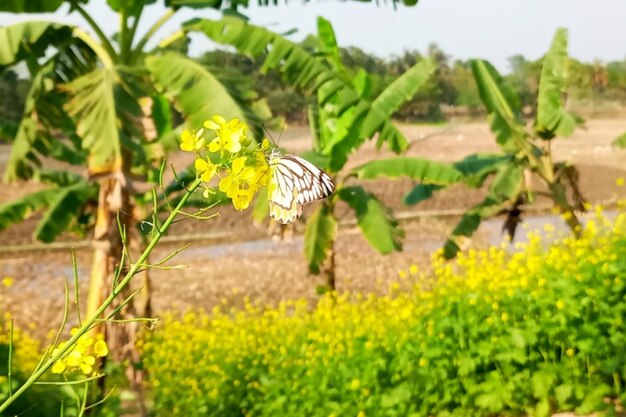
(489, 29)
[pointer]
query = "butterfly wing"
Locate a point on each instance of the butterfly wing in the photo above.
(294, 182)
(283, 197)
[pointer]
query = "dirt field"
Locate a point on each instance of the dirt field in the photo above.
(249, 262)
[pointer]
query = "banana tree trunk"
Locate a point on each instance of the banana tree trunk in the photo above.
(329, 270)
(115, 204)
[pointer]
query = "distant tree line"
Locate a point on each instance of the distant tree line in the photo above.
(450, 92)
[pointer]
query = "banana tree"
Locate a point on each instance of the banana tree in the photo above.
(524, 151)
(106, 104)
(343, 115)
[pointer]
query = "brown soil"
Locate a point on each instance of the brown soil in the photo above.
(249, 262)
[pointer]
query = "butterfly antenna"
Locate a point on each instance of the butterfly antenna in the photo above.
(282, 129)
(269, 135)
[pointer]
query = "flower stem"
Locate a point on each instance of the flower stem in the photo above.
(106, 303)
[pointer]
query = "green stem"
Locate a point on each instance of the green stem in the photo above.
(124, 51)
(109, 300)
(155, 27)
(101, 52)
(133, 30)
(10, 364)
(103, 38)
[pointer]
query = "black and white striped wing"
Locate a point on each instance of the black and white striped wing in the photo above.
(295, 182)
(311, 183)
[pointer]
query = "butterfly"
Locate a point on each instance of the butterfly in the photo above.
(294, 182)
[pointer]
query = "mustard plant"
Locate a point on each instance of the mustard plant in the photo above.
(223, 151)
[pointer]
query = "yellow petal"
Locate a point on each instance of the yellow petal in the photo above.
(247, 174)
(219, 119)
(199, 143)
(233, 145)
(101, 349)
(215, 145)
(241, 202)
(187, 147)
(58, 367)
(86, 369)
(186, 137)
(225, 183)
(200, 165)
(238, 164)
(208, 174)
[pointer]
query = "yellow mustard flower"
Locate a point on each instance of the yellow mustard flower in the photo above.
(7, 281)
(191, 142)
(355, 384)
(100, 349)
(82, 355)
(205, 168)
(237, 185)
(230, 134)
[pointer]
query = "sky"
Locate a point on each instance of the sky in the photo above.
(488, 29)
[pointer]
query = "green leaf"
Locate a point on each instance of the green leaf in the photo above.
(320, 233)
(326, 34)
(543, 408)
(8, 130)
(21, 209)
(341, 111)
(395, 396)
(92, 106)
(506, 186)
(477, 167)
(507, 183)
(501, 103)
(563, 393)
(493, 401)
(424, 170)
(18, 164)
(421, 192)
(199, 94)
(542, 383)
(377, 223)
(29, 39)
(433, 175)
(43, 114)
(620, 142)
(131, 7)
(552, 118)
(316, 159)
(57, 177)
(197, 4)
(363, 83)
(594, 400)
(63, 209)
(30, 6)
(299, 67)
(399, 91)
(162, 115)
(395, 139)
